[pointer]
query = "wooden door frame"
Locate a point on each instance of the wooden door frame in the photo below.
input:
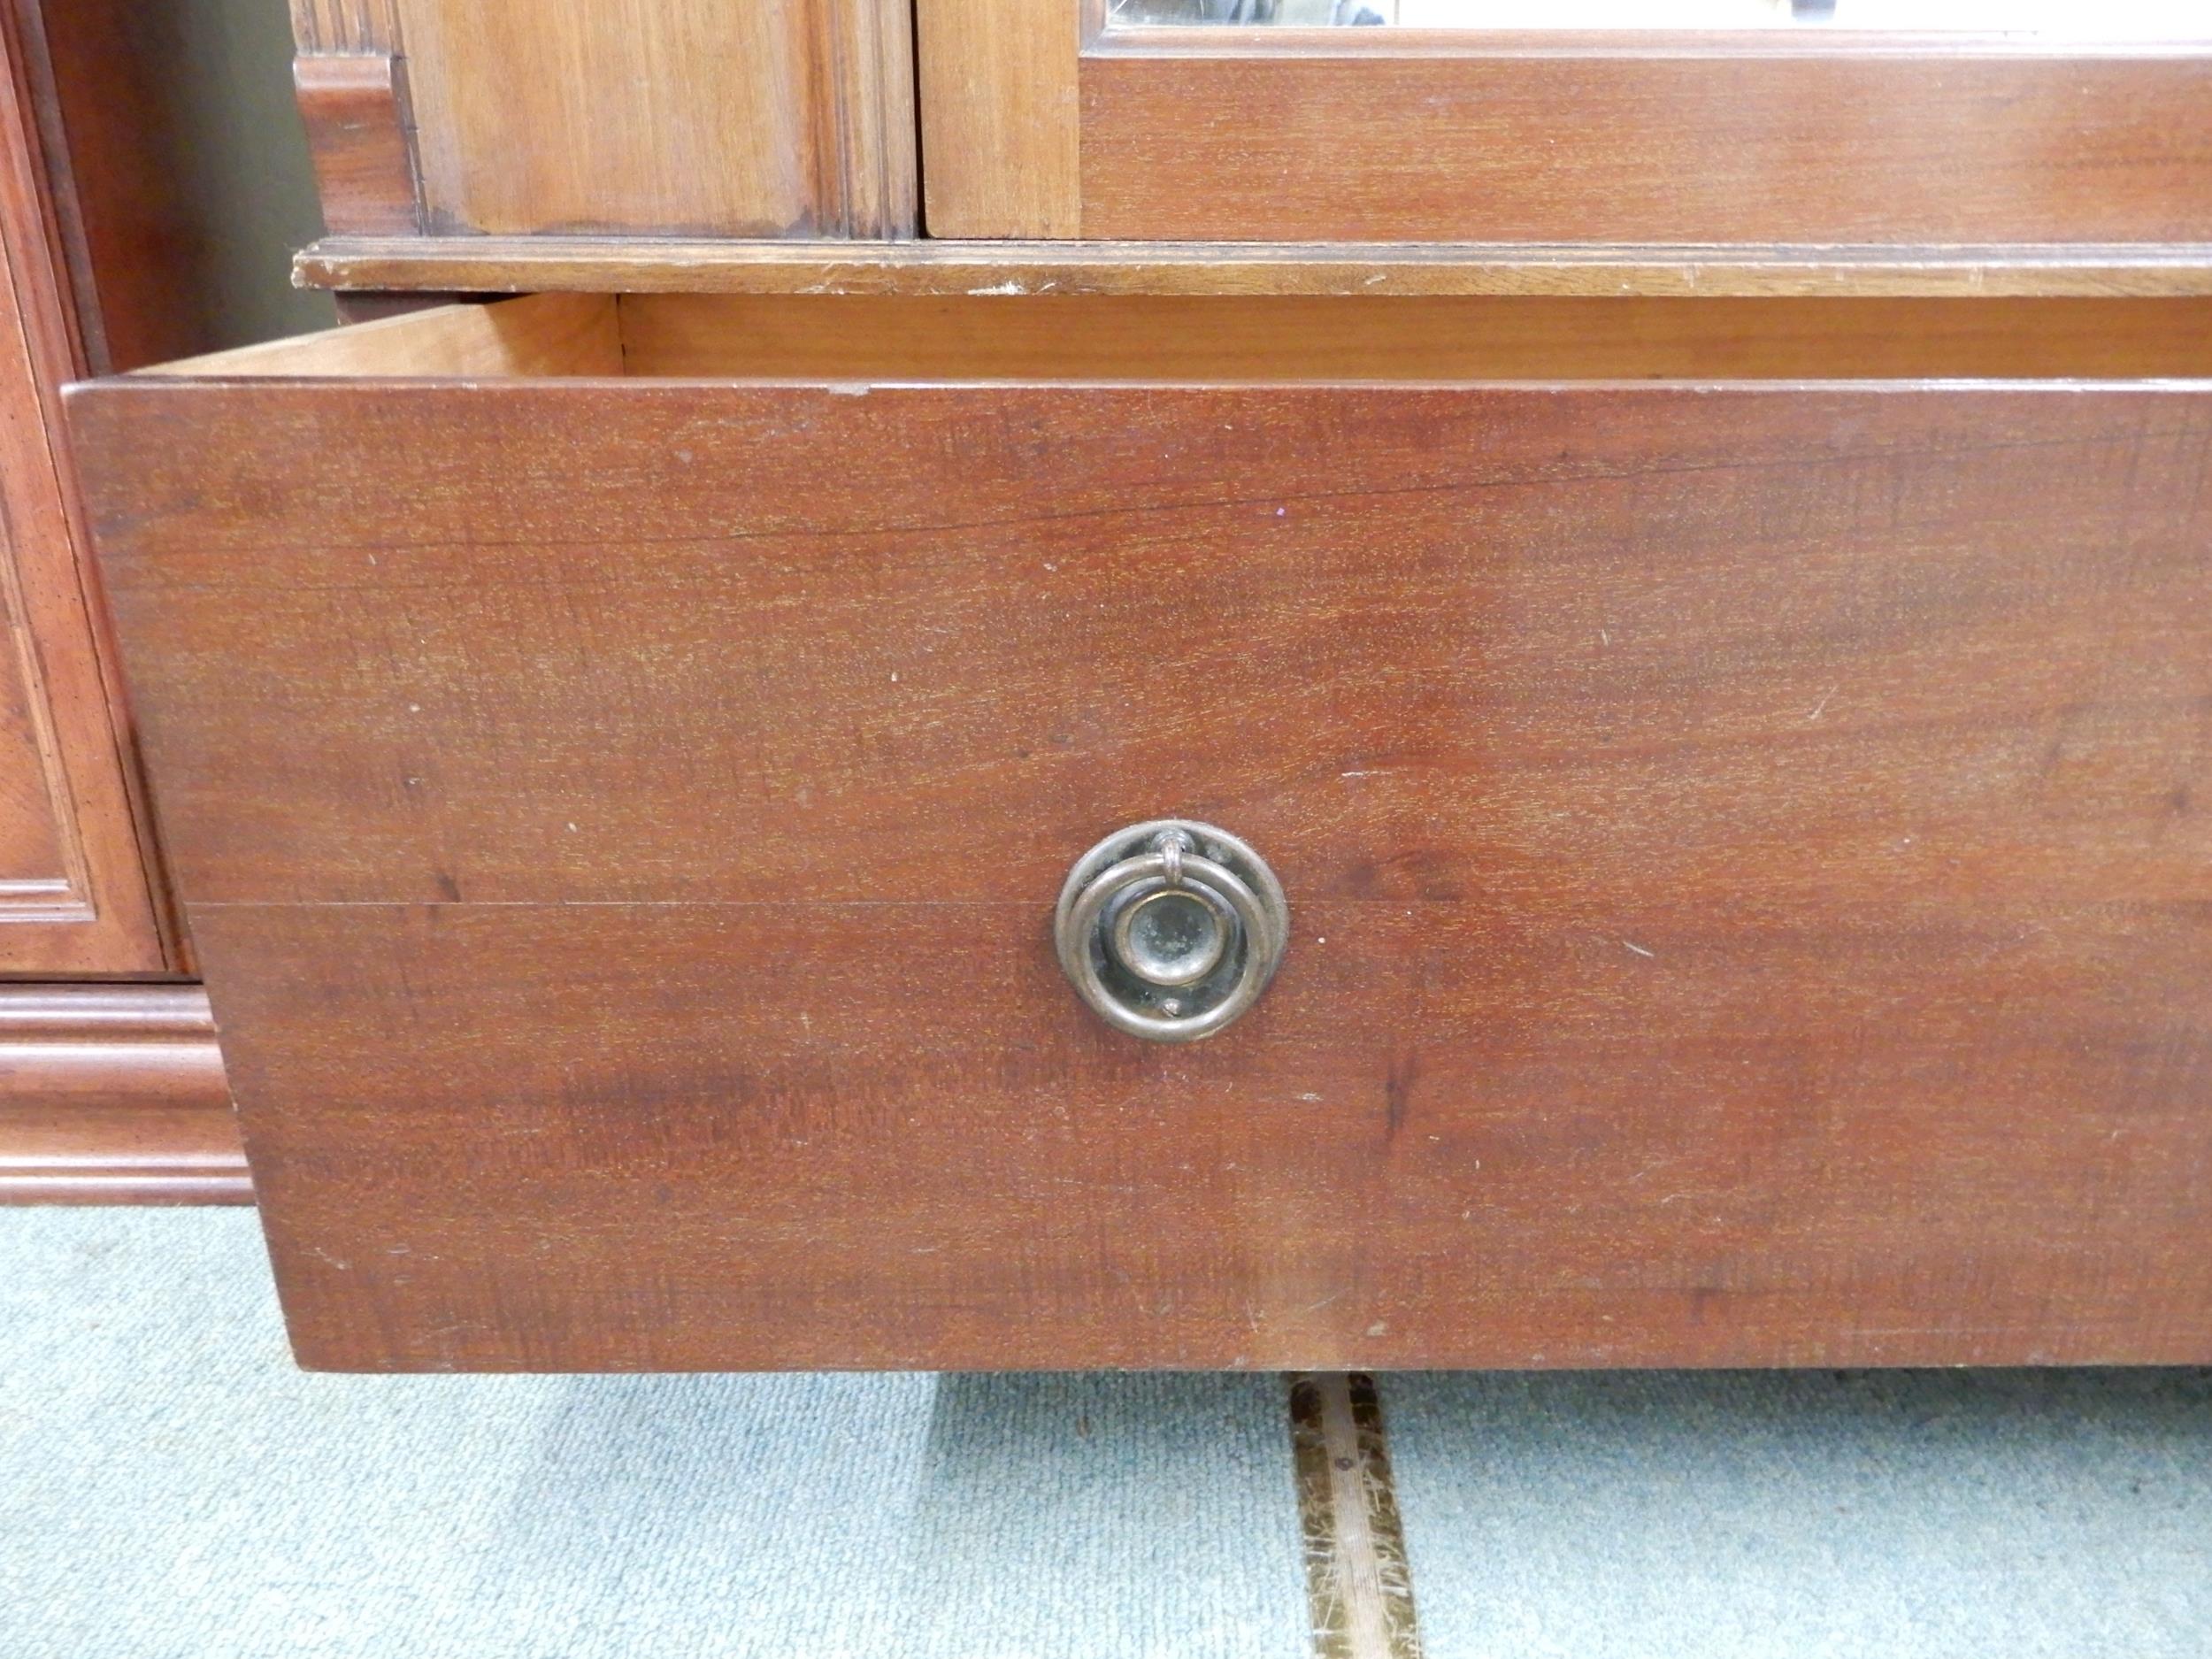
(102, 914)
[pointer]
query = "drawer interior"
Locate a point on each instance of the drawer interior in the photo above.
(1254, 338)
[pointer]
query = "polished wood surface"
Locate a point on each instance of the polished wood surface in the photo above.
(345, 28)
(1352, 135)
(1002, 129)
(114, 1095)
(689, 118)
(666, 116)
(867, 161)
(603, 264)
(1745, 847)
(1411, 339)
(1630, 142)
(355, 111)
(75, 895)
(542, 334)
(881, 339)
(111, 123)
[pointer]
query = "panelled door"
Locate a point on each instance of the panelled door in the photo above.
(74, 894)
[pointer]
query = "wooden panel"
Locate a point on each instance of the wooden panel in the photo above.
(1752, 899)
(1657, 146)
(355, 111)
(603, 264)
(700, 115)
(1962, 1130)
(543, 335)
(868, 169)
(1001, 126)
(111, 119)
(351, 80)
(1279, 338)
(115, 1095)
(891, 338)
(74, 897)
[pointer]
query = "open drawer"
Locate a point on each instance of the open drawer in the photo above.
(1747, 845)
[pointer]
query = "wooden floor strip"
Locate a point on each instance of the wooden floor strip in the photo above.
(1358, 1588)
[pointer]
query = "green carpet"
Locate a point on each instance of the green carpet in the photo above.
(172, 1488)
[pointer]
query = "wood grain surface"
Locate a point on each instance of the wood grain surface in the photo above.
(603, 264)
(538, 334)
(866, 147)
(1408, 338)
(355, 109)
(663, 116)
(1359, 1588)
(1001, 123)
(877, 339)
(76, 893)
(1628, 143)
(114, 1095)
(1752, 892)
(335, 28)
(111, 118)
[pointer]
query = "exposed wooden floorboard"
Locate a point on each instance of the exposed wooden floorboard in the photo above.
(1359, 1588)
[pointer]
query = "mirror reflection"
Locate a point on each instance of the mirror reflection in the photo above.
(2118, 19)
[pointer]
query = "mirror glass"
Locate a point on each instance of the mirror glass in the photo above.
(2077, 19)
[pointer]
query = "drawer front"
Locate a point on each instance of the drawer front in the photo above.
(1750, 878)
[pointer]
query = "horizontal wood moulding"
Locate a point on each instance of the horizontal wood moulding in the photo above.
(115, 1095)
(518, 264)
(1275, 338)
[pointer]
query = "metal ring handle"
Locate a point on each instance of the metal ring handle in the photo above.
(1223, 877)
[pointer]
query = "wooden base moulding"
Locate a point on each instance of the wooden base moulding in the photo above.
(115, 1095)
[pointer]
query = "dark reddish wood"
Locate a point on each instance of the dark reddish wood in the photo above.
(355, 109)
(1631, 144)
(105, 84)
(1753, 896)
(76, 896)
(112, 1094)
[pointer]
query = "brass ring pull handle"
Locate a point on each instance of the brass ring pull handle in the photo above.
(1171, 930)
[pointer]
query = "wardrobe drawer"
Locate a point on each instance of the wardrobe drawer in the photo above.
(1746, 849)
